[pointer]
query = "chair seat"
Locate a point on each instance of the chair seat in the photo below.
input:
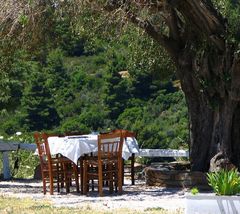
(103, 161)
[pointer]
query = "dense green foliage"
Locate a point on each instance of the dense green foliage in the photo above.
(76, 83)
(231, 10)
(85, 84)
(224, 182)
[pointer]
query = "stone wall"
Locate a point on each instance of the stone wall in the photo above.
(175, 178)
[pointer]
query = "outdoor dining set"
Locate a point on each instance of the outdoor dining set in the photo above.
(86, 160)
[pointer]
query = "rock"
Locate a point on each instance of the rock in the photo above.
(176, 165)
(220, 161)
(175, 178)
(37, 173)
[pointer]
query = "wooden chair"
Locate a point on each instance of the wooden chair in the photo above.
(108, 165)
(54, 169)
(125, 134)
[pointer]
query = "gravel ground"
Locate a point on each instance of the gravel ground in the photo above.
(137, 197)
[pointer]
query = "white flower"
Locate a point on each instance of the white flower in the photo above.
(18, 133)
(1, 137)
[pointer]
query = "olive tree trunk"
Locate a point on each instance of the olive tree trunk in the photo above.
(211, 87)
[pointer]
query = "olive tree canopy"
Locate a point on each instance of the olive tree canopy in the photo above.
(201, 37)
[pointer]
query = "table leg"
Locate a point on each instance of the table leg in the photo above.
(81, 173)
(122, 171)
(132, 168)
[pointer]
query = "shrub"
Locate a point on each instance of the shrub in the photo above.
(194, 191)
(224, 182)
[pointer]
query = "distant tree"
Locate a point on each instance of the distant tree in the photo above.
(37, 103)
(117, 88)
(160, 122)
(66, 38)
(13, 69)
(117, 95)
(149, 67)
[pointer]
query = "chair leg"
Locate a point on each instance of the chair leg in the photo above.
(100, 180)
(85, 178)
(110, 178)
(123, 171)
(61, 176)
(66, 178)
(44, 185)
(81, 173)
(120, 165)
(92, 180)
(92, 184)
(115, 182)
(51, 184)
(58, 178)
(58, 185)
(75, 169)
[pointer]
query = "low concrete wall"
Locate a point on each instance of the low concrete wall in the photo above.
(206, 204)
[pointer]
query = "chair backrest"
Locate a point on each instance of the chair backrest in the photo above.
(125, 133)
(43, 149)
(110, 146)
(55, 135)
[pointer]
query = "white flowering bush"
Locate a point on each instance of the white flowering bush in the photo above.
(22, 162)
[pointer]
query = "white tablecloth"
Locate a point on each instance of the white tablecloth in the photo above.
(73, 147)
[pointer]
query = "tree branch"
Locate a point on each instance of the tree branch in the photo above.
(169, 43)
(204, 19)
(171, 46)
(172, 22)
(235, 78)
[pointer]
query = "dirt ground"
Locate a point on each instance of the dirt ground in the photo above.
(137, 197)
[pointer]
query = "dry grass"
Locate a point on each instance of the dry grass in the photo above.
(30, 206)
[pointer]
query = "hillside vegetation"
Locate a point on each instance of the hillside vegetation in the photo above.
(76, 82)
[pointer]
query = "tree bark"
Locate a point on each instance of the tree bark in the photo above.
(213, 105)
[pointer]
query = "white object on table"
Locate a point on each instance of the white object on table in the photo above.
(73, 147)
